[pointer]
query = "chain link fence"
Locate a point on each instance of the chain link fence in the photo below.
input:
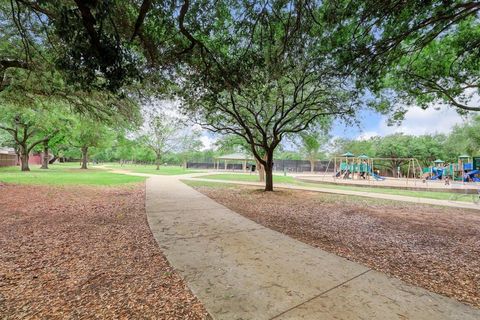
(296, 166)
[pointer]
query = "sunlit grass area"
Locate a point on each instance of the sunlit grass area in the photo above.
(151, 169)
(64, 174)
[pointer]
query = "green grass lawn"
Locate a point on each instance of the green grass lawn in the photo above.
(152, 169)
(291, 180)
(64, 174)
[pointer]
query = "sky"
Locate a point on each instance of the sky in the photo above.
(417, 122)
(436, 119)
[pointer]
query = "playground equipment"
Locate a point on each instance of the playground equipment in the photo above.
(471, 170)
(465, 170)
(347, 166)
(471, 176)
(437, 171)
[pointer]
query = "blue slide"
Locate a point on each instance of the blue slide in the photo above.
(438, 173)
(470, 176)
(376, 176)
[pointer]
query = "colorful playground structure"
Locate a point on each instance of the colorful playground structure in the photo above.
(355, 167)
(349, 166)
(467, 170)
(400, 173)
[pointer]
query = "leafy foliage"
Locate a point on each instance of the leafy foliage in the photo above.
(261, 71)
(410, 52)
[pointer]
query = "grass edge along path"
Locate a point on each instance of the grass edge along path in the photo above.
(151, 169)
(292, 181)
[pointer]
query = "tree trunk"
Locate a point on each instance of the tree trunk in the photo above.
(45, 156)
(312, 165)
(24, 158)
(261, 171)
(269, 171)
(157, 162)
(17, 153)
(84, 157)
(268, 178)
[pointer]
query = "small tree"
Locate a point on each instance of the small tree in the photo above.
(160, 133)
(86, 134)
(189, 144)
(311, 143)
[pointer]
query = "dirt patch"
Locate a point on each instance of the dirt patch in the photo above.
(84, 252)
(432, 247)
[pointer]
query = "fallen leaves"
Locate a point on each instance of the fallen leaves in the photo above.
(84, 252)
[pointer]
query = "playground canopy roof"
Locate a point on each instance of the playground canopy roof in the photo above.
(363, 156)
(235, 156)
(464, 156)
(438, 161)
(348, 154)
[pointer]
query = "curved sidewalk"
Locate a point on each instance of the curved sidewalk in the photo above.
(242, 270)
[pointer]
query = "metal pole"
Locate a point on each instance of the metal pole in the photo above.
(414, 173)
(335, 170)
(408, 171)
(358, 164)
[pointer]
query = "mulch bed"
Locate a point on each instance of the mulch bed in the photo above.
(432, 247)
(84, 252)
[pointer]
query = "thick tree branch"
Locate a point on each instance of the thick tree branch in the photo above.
(44, 139)
(6, 63)
(36, 7)
(144, 8)
(89, 22)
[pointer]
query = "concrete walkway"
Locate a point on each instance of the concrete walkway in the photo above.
(436, 202)
(241, 270)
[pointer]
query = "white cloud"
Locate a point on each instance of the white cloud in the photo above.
(207, 141)
(418, 121)
(367, 135)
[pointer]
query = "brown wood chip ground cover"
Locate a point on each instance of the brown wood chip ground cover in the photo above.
(84, 252)
(432, 247)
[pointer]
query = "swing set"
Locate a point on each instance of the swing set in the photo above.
(348, 166)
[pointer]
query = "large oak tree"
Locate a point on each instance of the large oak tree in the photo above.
(260, 70)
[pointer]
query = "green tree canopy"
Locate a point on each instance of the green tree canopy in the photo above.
(410, 52)
(261, 71)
